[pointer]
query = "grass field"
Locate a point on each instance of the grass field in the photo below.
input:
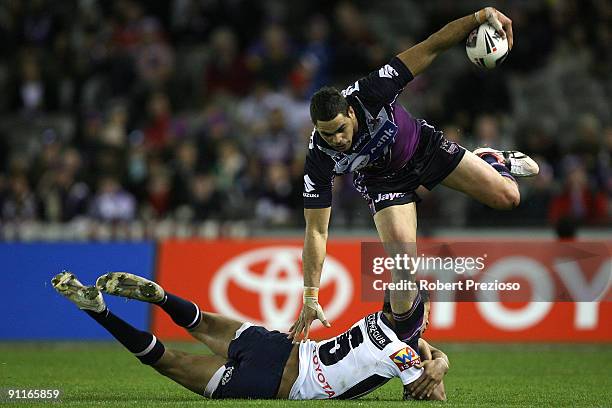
(103, 374)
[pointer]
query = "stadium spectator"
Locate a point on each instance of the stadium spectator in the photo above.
(230, 165)
(184, 166)
(487, 133)
(226, 70)
(356, 48)
(313, 70)
(274, 206)
(276, 144)
(578, 200)
(153, 57)
(19, 203)
(31, 95)
(161, 129)
(63, 196)
(205, 202)
(113, 133)
(271, 58)
(112, 203)
(159, 194)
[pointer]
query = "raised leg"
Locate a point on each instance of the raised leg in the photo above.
(216, 332)
(189, 370)
(481, 181)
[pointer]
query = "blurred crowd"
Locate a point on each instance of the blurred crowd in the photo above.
(197, 110)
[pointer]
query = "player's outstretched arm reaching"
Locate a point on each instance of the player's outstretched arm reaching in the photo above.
(313, 255)
(340, 133)
(419, 57)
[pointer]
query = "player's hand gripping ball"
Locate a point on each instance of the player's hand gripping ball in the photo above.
(485, 47)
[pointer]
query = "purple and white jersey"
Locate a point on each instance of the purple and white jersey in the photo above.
(386, 139)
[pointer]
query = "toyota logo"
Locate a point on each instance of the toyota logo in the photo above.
(281, 277)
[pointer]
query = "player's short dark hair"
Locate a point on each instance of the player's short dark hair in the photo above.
(326, 104)
(387, 303)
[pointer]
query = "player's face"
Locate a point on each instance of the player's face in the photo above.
(338, 132)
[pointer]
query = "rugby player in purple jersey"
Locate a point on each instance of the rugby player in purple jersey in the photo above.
(363, 130)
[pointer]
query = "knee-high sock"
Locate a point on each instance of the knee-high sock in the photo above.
(183, 312)
(143, 345)
(408, 324)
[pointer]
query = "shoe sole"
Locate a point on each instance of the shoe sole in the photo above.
(67, 285)
(66, 282)
(129, 286)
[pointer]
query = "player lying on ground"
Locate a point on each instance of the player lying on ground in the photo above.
(252, 362)
(364, 130)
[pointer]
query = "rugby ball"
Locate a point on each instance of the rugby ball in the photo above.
(485, 47)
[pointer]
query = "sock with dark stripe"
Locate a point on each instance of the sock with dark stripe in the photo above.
(407, 324)
(143, 345)
(183, 312)
(499, 167)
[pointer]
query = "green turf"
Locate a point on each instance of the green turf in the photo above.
(102, 374)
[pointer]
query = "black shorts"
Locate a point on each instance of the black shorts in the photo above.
(256, 360)
(434, 159)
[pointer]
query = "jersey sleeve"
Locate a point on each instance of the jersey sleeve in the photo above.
(403, 359)
(318, 177)
(381, 87)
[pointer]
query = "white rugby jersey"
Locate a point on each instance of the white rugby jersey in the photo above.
(354, 363)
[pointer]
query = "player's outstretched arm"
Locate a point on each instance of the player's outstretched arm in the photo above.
(313, 255)
(420, 56)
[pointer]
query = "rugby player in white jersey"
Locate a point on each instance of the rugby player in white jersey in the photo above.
(363, 130)
(252, 362)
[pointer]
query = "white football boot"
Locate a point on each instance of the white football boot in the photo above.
(519, 164)
(130, 286)
(85, 297)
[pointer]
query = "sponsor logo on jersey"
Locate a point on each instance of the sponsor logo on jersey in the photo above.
(388, 196)
(375, 333)
(386, 136)
(405, 358)
(316, 364)
(378, 145)
(227, 375)
(308, 184)
(449, 147)
(387, 72)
